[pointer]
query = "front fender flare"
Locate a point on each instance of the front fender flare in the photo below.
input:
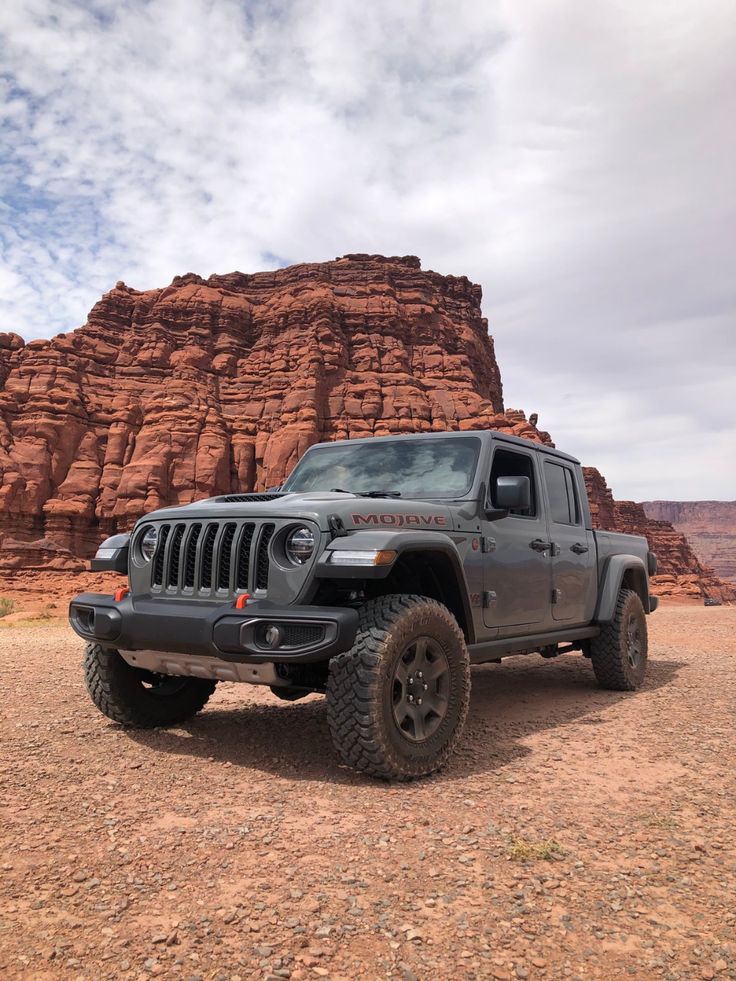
(401, 542)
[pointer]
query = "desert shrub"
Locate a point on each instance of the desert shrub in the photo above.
(6, 606)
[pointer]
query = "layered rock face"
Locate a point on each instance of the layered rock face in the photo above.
(680, 574)
(219, 385)
(710, 527)
(210, 386)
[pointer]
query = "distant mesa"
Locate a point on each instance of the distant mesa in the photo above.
(710, 527)
(210, 386)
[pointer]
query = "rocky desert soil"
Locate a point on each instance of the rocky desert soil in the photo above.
(578, 833)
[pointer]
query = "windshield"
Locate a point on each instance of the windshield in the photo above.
(432, 468)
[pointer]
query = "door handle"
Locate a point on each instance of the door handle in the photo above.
(578, 549)
(540, 546)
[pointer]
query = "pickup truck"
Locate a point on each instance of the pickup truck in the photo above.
(376, 575)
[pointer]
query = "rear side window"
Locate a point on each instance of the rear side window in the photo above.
(563, 498)
(507, 463)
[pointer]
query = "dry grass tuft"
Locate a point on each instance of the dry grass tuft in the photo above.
(521, 850)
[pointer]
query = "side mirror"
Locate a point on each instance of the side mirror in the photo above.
(512, 494)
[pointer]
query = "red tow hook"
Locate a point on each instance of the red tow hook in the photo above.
(241, 601)
(120, 593)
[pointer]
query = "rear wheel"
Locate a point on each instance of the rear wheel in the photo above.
(138, 698)
(397, 701)
(619, 654)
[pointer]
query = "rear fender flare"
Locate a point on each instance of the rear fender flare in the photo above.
(617, 568)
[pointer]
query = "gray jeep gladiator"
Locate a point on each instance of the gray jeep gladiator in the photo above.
(381, 570)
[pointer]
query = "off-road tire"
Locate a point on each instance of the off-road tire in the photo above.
(609, 651)
(119, 691)
(360, 710)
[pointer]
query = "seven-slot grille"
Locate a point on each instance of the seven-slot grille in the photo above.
(217, 558)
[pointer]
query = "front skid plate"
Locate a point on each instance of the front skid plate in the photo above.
(202, 666)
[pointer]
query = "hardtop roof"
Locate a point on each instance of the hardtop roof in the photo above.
(527, 444)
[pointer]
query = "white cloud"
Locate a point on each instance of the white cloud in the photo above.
(574, 159)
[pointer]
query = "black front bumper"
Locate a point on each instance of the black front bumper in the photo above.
(308, 633)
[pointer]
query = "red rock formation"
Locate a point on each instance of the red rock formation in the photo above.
(710, 527)
(680, 575)
(205, 387)
(210, 386)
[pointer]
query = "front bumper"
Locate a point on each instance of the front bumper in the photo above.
(307, 633)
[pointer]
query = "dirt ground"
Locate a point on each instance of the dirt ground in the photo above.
(577, 834)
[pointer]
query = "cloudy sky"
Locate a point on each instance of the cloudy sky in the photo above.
(577, 159)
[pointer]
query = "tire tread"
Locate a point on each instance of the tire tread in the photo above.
(108, 678)
(354, 697)
(608, 655)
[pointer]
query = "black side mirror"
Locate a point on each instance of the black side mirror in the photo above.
(512, 494)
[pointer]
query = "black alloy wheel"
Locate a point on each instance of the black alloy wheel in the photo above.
(634, 642)
(420, 689)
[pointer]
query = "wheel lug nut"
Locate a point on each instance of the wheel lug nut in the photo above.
(425, 687)
(419, 701)
(411, 698)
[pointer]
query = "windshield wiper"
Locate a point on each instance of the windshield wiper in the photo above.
(373, 493)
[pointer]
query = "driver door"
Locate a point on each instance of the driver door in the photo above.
(517, 576)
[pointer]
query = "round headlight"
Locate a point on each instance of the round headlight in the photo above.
(300, 545)
(147, 543)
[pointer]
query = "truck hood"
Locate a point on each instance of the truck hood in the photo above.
(355, 512)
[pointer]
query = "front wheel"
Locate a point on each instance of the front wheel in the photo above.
(138, 698)
(397, 701)
(619, 653)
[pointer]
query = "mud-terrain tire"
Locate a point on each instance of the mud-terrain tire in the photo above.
(405, 644)
(137, 698)
(619, 653)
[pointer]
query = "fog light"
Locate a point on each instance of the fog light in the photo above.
(272, 636)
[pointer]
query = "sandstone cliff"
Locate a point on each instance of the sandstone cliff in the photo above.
(208, 386)
(680, 573)
(710, 527)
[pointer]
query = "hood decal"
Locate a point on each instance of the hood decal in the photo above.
(401, 520)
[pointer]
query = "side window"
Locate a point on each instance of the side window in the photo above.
(572, 494)
(563, 501)
(507, 463)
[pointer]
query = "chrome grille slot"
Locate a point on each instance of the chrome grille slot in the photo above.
(242, 575)
(157, 576)
(226, 551)
(262, 561)
(173, 577)
(190, 556)
(208, 546)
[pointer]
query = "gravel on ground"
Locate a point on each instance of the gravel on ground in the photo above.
(577, 833)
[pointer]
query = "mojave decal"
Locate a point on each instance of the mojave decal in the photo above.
(400, 520)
